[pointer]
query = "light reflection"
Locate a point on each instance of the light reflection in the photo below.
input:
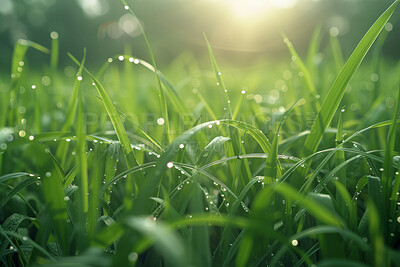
(250, 8)
(94, 8)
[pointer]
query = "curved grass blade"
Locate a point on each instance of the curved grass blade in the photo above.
(296, 58)
(168, 243)
(335, 94)
(218, 74)
(163, 101)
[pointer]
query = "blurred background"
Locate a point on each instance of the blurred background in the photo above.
(242, 32)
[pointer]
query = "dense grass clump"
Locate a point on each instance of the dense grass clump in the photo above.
(126, 166)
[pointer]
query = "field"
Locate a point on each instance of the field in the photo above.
(293, 163)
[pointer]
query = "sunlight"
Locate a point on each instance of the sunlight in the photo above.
(251, 8)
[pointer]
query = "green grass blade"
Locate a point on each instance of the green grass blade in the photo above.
(335, 94)
(163, 101)
(313, 48)
(375, 234)
(218, 75)
(131, 185)
(54, 50)
(321, 212)
(339, 159)
(296, 58)
(167, 242)
(216, 145)
(337, 53)
(387, 175)
(81, 150)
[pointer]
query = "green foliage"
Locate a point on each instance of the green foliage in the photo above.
(94, 176)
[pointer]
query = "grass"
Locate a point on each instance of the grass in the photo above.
(95, 173)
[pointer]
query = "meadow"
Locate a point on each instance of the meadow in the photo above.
(292, 163)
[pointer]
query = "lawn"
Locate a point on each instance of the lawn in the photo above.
(290, 163)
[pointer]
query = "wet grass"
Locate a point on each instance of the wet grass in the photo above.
(132, 167)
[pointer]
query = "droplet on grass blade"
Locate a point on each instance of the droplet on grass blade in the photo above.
(54, 35)
(160, 121)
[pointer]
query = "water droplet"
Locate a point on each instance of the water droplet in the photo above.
(22, 133)
(334, 31)
(160, 121)
(243, 92)
(219, 73)
(133, 256)
(68, 140)
(54, 35)
(210, 126)
(217, 83)
(121, 58)
(181, 146)
(48, 174)
(170, 165)
(126, 8)
(343, 110)
(110, 60)
(295, 242)
(33, 87)
(136, 61)
(25, 238)
(66, 198)
(31, 137)
(389, 26)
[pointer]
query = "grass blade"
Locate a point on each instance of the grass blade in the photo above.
(336, 92)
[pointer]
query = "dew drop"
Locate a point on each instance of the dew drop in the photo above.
(31, 137)
(54, 35)
(295, 242)
(170, 165)
(160, 121)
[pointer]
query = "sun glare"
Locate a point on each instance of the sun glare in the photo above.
(251, 8)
